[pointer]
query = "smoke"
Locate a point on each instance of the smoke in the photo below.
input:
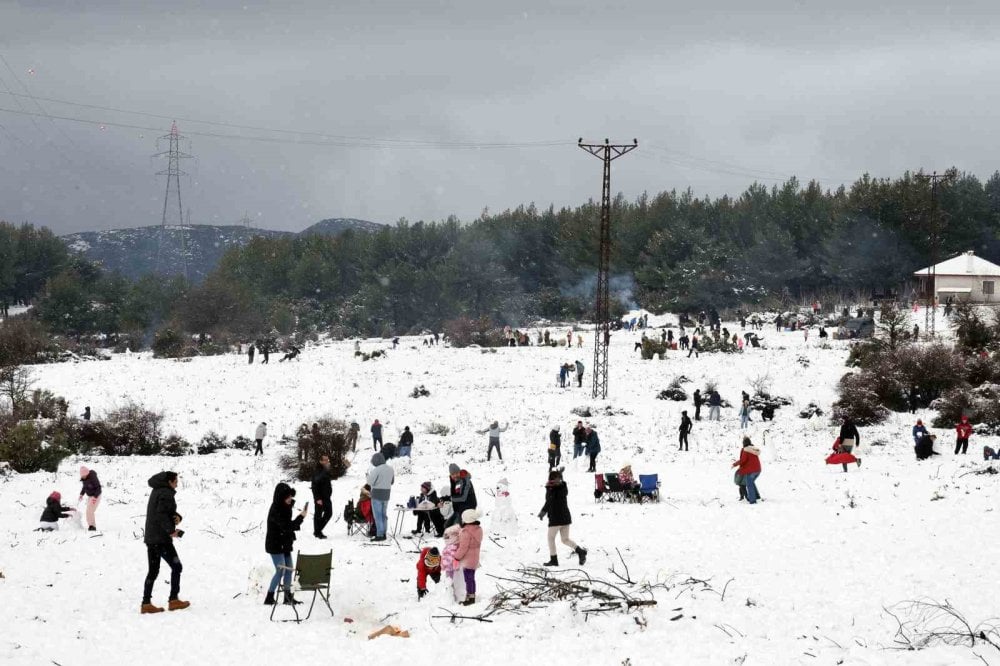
(620, 287)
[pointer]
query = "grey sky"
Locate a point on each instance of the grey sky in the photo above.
(719, 93)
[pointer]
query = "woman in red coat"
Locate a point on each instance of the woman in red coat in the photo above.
(749, 468)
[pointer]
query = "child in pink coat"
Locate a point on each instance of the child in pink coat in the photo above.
(470, 540)
(450, 565)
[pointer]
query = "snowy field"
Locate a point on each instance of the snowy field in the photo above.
(806, 573)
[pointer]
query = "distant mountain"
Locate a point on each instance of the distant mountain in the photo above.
(338, 225)
(192, 249)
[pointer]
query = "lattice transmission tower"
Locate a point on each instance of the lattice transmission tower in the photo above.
(173, 173)
(607, 152)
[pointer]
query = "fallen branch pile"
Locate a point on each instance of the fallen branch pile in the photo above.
(924, 623)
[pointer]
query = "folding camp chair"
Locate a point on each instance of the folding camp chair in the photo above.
(616, 491)
(313, 574)
(599, 488)
(649, 486)
(355, 521)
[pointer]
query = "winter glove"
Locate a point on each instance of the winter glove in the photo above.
(541, 515)
(436, 577)
(421, 594)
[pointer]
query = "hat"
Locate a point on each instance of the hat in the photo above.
(426, 486)
(84, 471)
(469, 516)
(919, 422)
(454, 469)
(55, 495)
(432, 559)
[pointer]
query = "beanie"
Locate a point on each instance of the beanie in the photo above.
(454, 469)
(425, 486)
(432, 559)
(469, 516)
(55, 495)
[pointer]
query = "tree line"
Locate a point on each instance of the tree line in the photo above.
(671, 251)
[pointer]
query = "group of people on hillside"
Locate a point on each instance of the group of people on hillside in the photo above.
(923, 441)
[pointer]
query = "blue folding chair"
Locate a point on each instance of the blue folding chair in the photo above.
(649, 486)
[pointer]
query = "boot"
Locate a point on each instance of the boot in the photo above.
(469, 600)
(859, 462)
(177, 604)
(582, 553)
(291, 600)
(149, 608)
(553, 561)
(269, 599)
(92, 528)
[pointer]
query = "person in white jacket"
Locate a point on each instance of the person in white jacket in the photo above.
(259, 436)
(494, 430)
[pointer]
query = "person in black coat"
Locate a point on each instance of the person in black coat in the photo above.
(405, 439)
(579, 439)
(54, 510)
(278, 540)
(427, 516)
(698, 401)
(555, 447)
(684, 431)
(925, 447)
(849, 436)
(161, 529)
(463, 494)
(322, 490)
(556, 507)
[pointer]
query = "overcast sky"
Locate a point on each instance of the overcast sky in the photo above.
(719, 93)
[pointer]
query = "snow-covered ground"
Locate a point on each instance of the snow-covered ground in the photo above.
(809, 569)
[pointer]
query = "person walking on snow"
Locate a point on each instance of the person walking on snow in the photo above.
(352, 435)
(694, 349)
(322, 490)
(278, 540)
(849, 436)
(556, 507)
(91, 489)
(250, 353)
(470, 541)
(494, 430)
(918, 431)
(686, 427)
(555, 444)
(963, 431)
(749, 468)
(380, 478)
(161, 529)
(593, 447)
(376, 435)
(579, 374)
(258, 437)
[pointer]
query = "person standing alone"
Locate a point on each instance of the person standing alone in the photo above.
(556, 507)
(555, 445)
(380, 478)
(494, 431)
(963, 431)
(697, 404)
(258, 437)
(684, 431)
(376, 435)
(322, 491)
(91, 489)
(593, 447)
(161, 529)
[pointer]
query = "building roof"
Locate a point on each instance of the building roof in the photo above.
(966, 263)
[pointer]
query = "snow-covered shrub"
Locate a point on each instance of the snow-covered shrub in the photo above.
(330, 438)
(168, 343)
(972, 333)
(132, 341)
(23, 447)
(419, 392)
(981, 405)
(858, 401)
(651, 348)
(438, 429)
(674, 393)
(466, 331)
(175, 445)
(24, 340)
(46, 405)
(211, 442)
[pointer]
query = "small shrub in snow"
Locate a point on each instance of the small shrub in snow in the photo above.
(438, 429)
(243, 443)
(419, 392)
(211, 443)
(466, 331)
(811, 410)
(674, 393)
(168, 343)
(330, 438)
(24, 448)
(858, 401)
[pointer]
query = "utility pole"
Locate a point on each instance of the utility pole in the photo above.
(607, 152)
(934, 219)
(245, 220)
(173, 173)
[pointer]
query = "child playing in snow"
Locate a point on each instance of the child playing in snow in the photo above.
(428, 564)
(470, 540)
(54, 510)
(450, 565)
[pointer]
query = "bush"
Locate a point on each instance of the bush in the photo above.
(330, 438)
(23, 447)
(651, 348)
(211, 443)
(972, 333)
(243, 443)
(46, 405)
(466, 331)
(168, 344)
(981, 405)
(23, 341)
(419, 392)
(865, 354)
(858, 401)
(132, 341)
(175, 445)
(438, 429)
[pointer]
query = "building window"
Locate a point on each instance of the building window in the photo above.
(988, 287)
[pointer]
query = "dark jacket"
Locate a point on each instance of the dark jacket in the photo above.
(925, 448)
(160, 511)
(321, 486)
(555, 439)
(850, 431)
(579, 435)
(698, 400)
(463, 494)
(377, 431)
(91, 485)
(714, 399)
(556, 506)
(593, 443)
(406, 439)
(280, 527)
(53, 511)
(686, 424)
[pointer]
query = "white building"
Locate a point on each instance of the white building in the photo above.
(963, 278)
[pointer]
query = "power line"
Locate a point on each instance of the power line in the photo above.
(33, 99)
(329, 138)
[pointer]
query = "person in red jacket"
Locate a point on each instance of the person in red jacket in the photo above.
(964, 431)
(749, 468)
(428, 564)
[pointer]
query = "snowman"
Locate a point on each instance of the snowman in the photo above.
(504, 517)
